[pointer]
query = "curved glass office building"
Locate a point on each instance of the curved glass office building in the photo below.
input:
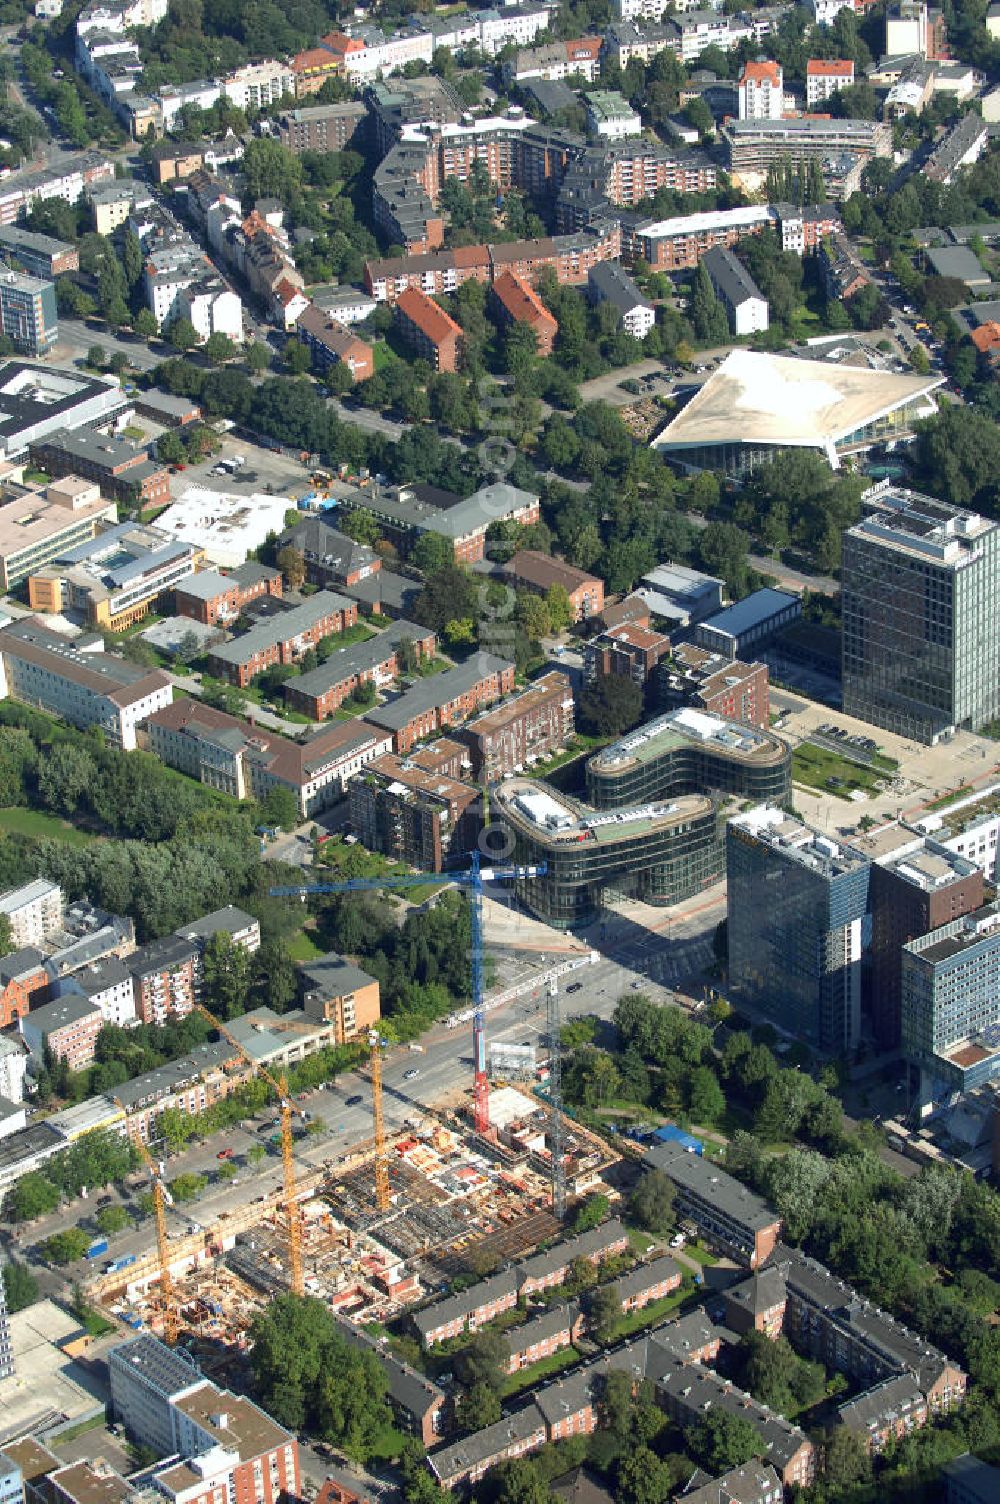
(690, 751)
(659, 852)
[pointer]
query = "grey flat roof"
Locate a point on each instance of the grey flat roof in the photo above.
(169, 1370)
(333, 976)
(65, 1010)
(439, 689)
(690, 1172)
(751, 612)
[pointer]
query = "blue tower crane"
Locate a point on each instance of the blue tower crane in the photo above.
(472, 881)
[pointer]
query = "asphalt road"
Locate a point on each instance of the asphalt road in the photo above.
(76, 337)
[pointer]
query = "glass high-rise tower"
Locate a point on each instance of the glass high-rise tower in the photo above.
(921, 646)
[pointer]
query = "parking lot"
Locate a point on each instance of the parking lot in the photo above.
(264, 472)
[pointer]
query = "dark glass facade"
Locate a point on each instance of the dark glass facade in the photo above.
(660, 858)
(921, 635)
(794, 922)
(669, 757)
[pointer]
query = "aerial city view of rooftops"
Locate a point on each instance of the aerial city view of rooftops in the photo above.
(499, 752)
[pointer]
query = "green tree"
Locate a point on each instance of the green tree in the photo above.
(847, 1463)
(270, 170)
(298, 357)
(278, 977)
(257, 357)
(362, 526)
(66, 1247)
(131, 258)
(643, 1478)
(280, 807)
(307, 1374)
(111, 1220)
(706, 1099)
(227, 973)
(183, 335)
(477, 1408)
(219, 348)
(483, 1360)
(65, 776)
(612, 705)
(144, 324)
(432, 553)
(187, 1187)
(32, 1196)
(591, 1213)
(721, 1441)
(603, 1313)
(6, 936)
(20, 1286)
(292, 563)
(651, 1204)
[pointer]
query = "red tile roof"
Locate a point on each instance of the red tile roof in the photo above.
(427, 316)
(522, 301)
(829, 67)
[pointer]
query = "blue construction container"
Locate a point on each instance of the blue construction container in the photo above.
(671, 1134)
(97, 1247)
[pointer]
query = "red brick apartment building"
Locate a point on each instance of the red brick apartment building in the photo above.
(22, 978)
(556, 1329)
(516, 302)
(538, 572)
(727, 687)
(431, 332)
(283, 638)
(626, 652)
(531, 725)
(164, 979)
(444, 700)
(215, 599)
(323, 690)
(332, 344)
(647, 1283)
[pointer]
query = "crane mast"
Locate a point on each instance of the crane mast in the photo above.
(278, 1084)
(381, 1164)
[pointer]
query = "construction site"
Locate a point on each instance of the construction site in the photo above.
(458, 1202)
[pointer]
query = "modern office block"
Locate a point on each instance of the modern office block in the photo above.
(685, 751)
(28, 314)
(919, 584)
(796, 903)
(912, 891)
(951, 1005)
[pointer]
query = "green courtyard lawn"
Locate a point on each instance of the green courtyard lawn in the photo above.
(33, 822)
(832, 774)
(527, 1378)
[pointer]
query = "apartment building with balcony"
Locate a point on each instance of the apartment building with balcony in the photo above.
(23, 979)
(164, 979)
(68, 1027)
(413, 815)
(341, 994)
(34, 911)
(529, 726)
(725, 1212)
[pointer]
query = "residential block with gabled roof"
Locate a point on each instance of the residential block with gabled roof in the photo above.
(247, 761)
(405, 512)
(282, 639)
(432, 333)
(378, 661)
(517, 302)
(538, 572)
(444, 699)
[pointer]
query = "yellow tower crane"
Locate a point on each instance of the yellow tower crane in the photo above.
(161, 1200)
(381, 1163)
(292, 1215)
(376, 1043)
